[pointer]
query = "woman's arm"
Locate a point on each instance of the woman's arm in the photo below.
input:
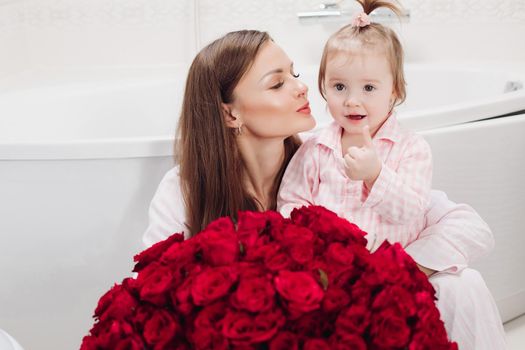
(166, 212)
(455, 235)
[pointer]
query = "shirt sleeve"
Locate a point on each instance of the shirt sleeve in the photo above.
(402, 194)
(455, 236)
(299, 180)
(166, 211)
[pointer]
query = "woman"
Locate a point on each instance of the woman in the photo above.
(242, 107)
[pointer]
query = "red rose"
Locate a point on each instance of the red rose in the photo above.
(293, 234)
(397, 267)
(316, 344)
(118, 303)
(395, 297)
(260, 252)
(154, 283)
(313, 324)
(354, 319)
(328, 225)
(219, 243)
(427, 313)
(342, 276)
(210, 316)
(335, 299)
(180, 255)
(130, 343)
(254, 295)
(152, 253)
(268, 222)
(300, 290)
(251, 226)
(347, 341)
(181, 297)
(212, 284)
(388, 330)
(242, 328)
(252, 270)
(206, 333)
(284, 341)
(360, 293)
(89, 342)
(208, 339)
(302, 253)
(108, 333)
(161, 328)
(277, 261)
(337, 253)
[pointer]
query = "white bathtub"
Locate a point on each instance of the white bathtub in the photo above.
(81, 154)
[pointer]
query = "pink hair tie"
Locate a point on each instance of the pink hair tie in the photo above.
(360, 19)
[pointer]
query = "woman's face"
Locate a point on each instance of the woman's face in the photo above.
(269, 100)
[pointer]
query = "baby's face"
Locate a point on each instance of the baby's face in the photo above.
(359, 90)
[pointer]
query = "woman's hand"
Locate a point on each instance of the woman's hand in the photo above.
(363, 163)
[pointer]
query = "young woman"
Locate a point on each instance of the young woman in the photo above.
(242, 107)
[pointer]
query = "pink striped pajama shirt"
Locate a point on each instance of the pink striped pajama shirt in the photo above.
(393, 209)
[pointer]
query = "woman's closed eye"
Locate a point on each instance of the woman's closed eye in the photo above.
(278, 85)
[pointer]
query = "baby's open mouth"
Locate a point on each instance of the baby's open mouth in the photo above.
(355, 116)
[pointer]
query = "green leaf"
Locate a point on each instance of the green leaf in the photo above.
(241, 248)
(323, 278)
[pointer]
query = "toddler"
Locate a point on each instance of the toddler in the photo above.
(364, 166)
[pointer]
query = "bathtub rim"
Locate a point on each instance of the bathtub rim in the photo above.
(114, 148)
(163, 145)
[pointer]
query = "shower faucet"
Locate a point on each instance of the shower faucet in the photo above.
(334, 11)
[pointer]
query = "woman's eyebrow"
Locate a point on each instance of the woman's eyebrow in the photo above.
(275, 71)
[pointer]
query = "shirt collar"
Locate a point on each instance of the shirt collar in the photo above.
(331, 135)
(390, 130)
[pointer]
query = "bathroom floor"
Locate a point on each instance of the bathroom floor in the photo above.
(515, 332)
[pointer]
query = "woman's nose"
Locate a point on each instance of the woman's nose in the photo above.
(302, 88)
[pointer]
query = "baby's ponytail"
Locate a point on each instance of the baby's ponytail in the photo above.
(370, 5)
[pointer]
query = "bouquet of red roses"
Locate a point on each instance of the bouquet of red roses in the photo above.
(266, 282)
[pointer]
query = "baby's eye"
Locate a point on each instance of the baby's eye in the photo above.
(278, 85)
(369, 88)
(339, 87)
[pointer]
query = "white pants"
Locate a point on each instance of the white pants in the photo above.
(468, 310)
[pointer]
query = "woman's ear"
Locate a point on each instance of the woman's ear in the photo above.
(229, 118)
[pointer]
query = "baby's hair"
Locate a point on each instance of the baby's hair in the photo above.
(373, 36)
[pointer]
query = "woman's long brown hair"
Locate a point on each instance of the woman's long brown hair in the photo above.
(211, 167)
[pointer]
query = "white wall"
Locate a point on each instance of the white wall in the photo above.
(36, 34)
(74, 34)
(438, 29)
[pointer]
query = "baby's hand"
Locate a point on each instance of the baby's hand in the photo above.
(363, 163)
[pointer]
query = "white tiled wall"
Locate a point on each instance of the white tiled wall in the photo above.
(438, 29)
(79, 33)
